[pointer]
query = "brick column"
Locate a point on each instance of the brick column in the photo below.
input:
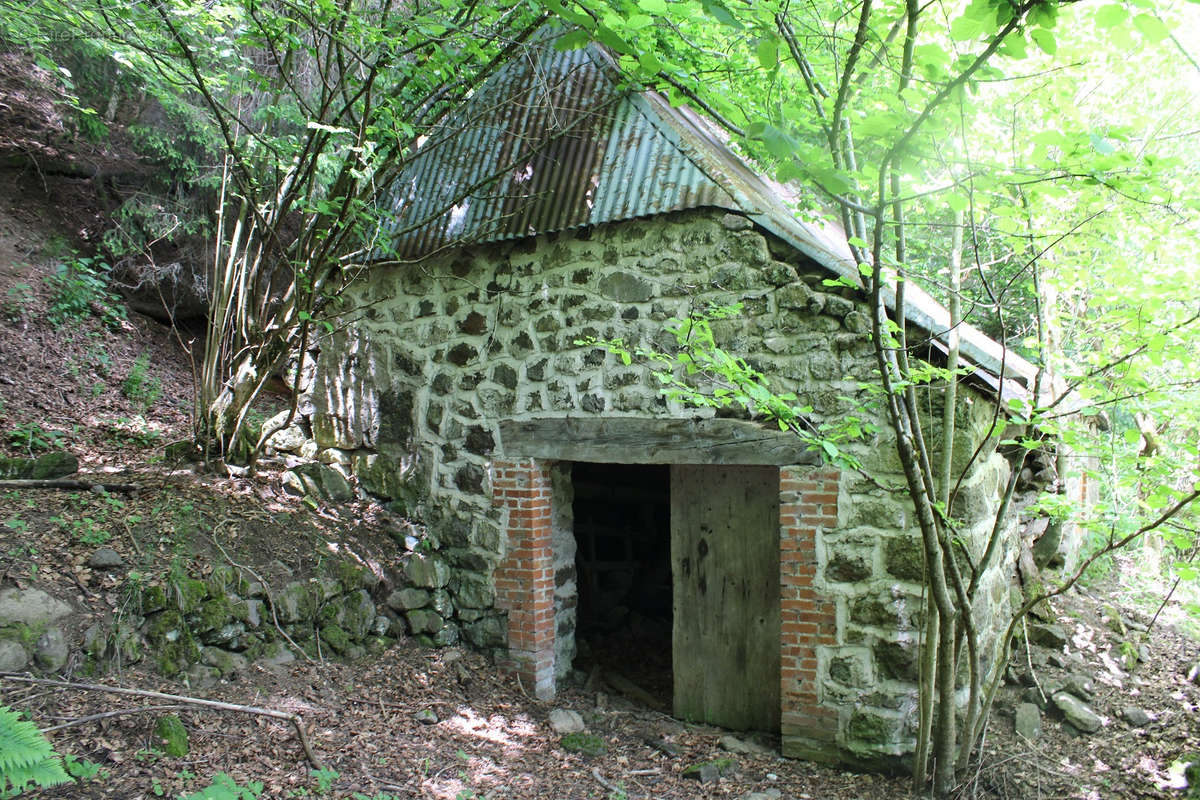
(525, 577)
(808, 619)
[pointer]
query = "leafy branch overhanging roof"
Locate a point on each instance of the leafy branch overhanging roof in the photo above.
(555, 141)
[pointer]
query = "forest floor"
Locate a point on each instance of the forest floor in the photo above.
(68, 385)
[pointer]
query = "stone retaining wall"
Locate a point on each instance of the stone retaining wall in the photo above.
(410, 390)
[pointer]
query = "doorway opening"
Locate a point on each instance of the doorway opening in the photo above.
(622, 525)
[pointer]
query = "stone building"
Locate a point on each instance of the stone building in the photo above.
(561, 493)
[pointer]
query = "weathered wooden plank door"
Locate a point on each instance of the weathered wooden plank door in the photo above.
(725, 563)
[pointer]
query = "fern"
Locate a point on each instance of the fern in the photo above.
(25, 756)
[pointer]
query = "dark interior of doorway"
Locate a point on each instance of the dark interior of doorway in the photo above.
(622, 522)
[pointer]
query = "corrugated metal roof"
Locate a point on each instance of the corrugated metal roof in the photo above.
(550, 142)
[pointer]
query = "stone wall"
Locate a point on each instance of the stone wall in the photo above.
(410, 390)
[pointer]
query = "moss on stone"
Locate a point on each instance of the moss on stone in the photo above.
(357, 612)
(171, 736)
(154, 598)
(174, 656)
(866, 727)
(905, 558)
(896, 660)
(351, 575)
(587, 744)
(165, 626)
(336, 637)
(213, 614)
(186, 594)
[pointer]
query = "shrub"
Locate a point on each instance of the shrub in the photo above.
(140, 388)
(80, 287)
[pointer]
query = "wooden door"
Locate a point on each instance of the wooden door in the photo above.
(725, 565)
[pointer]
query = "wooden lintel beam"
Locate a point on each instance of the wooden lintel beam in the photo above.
(636, 440)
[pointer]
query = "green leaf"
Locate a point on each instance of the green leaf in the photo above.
(1044, 16)
(653, 6)
(965, 28)
(610, 39)
(831, 180)
(1045, 40)
(721, 14)
(768, 53)
(1101, 144)
(649, 62)
(1111, 15)
(957, 202)
(1151, 27)
(1014, 47)
(572, 40)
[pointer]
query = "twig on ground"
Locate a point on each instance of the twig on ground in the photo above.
(60, 483)
(121, 712)
(75, 579)
(611, 787)
(132, 539)
(295, 719)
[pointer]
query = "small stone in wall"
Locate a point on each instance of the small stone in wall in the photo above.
(469, 478)
(428, 572)
(51, 651)
(285, 439)
(736, 222)
(408, 599)
(31, 607)
(13, 657)
(424, 621)
(320, 481)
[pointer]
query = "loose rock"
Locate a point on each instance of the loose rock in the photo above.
(745, 747)
(106, 558)
(1029, 721)
(709, 771)
(1076, 712)
(1048, 635)
(1135, 716)
(564, 721)
(426, 716)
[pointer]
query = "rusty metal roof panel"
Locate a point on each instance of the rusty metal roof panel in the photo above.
(550, 142)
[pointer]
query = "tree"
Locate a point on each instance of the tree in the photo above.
(913, 120)
(316, 108)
